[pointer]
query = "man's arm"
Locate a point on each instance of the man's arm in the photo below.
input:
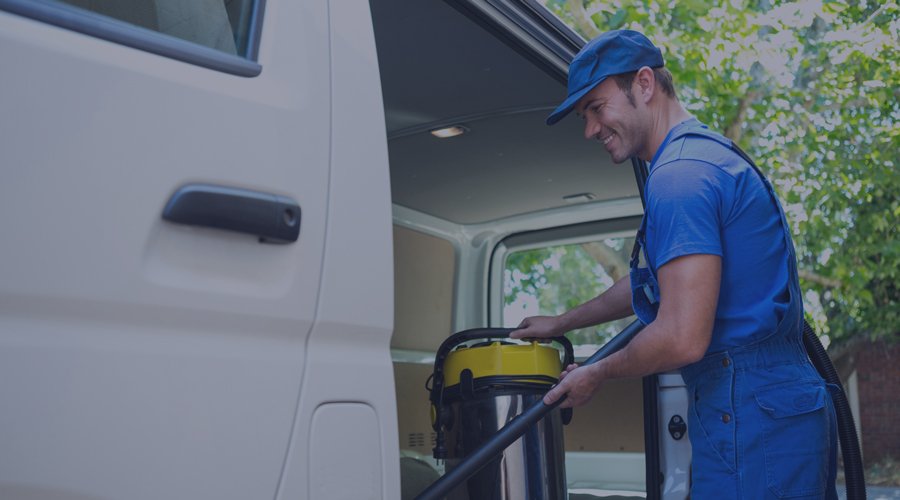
(689, 293)
(614, 303)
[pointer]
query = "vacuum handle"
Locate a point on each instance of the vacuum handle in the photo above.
(516, 427)
(464, 336)
(492, 333)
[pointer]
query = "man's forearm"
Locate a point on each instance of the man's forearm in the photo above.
(682, 331)
(654, 350)
(613, 304)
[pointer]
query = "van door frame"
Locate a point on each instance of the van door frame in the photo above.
(525, 26)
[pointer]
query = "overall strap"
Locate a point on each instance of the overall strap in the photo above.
(793, 320)
(639, 245)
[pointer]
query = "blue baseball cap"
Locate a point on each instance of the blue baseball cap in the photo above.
(612, 53)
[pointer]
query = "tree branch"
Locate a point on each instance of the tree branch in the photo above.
(733, 130)
(871, 19)
(582, 20)
(818, 279)
(612, 261)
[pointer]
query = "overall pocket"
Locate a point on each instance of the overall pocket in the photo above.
(796, 436)
(711, 423)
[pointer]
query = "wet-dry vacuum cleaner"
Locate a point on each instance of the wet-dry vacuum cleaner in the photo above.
(479, 384)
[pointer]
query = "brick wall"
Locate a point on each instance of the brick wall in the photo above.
(878, 368)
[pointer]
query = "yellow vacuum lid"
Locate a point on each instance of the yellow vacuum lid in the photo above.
(502, 359)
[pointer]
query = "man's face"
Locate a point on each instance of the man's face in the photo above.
(614, 120)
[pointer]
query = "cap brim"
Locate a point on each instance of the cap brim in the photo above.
(566, 107)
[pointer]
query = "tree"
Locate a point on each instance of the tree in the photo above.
(810, 89)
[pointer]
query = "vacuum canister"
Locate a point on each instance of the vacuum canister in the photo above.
(479, 385)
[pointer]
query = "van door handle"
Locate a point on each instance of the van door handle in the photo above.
(271, 217)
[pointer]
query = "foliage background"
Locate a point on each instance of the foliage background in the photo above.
(811, 90)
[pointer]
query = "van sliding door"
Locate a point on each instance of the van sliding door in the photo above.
(145, 357)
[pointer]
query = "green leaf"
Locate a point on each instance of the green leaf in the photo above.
(616, 21)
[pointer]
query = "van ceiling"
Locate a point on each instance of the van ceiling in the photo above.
(438, 68)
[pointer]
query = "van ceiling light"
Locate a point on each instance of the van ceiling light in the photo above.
(580, 197)
(451, 131)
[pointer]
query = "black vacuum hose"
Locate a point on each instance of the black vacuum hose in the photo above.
(853, 468)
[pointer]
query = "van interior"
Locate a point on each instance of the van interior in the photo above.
(461, 204)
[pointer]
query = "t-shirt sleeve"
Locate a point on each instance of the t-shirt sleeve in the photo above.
(687, 202)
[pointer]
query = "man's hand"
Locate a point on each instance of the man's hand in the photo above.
(538, 327)
(578, 383)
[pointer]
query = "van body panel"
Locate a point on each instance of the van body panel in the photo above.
(139, 358)
(348, 358)
(345, 426)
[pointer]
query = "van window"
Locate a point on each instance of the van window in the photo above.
(552, 279)
(223, 25)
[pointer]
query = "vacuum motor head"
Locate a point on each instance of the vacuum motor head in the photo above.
(523, 363)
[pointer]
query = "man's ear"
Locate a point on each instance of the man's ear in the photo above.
(646, 82)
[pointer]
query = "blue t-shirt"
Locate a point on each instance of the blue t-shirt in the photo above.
(703, 198)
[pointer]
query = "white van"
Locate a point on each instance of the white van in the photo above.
(231, 243)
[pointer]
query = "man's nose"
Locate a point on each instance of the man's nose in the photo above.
(591, 128)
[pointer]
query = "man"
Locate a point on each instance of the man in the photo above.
(714, 278)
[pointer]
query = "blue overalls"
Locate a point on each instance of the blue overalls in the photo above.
(761, 420)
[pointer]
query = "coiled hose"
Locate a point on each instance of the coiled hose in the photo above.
(853, 468)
